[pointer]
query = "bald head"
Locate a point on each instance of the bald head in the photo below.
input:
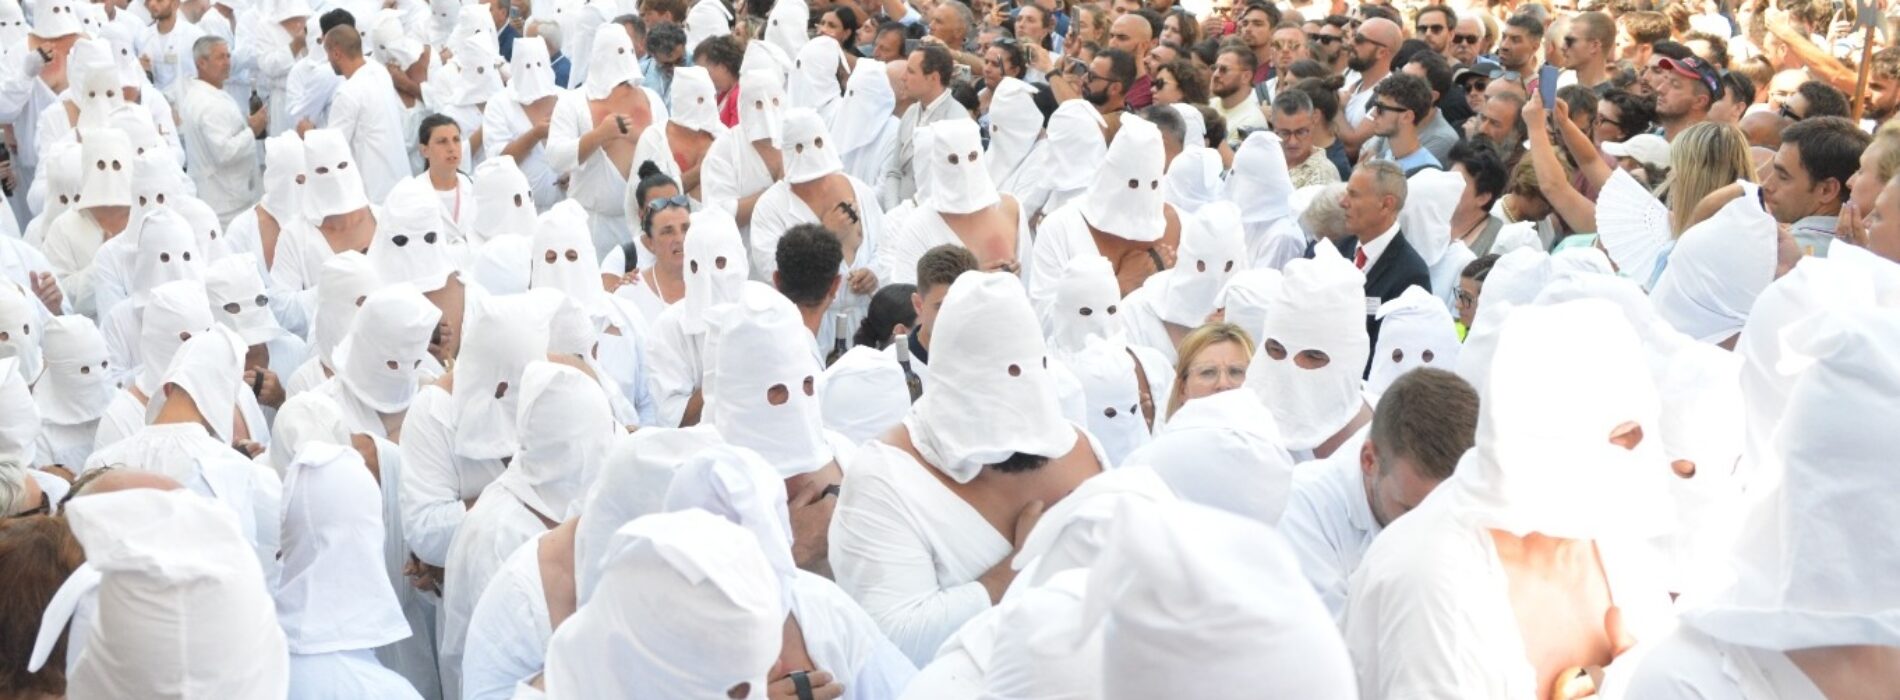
(344, 41)
(1132, 33)
(1384, 32)
(1763, 129)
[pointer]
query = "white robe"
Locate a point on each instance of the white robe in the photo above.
(1141, 319)
(503, 121)
(596, 183)
(732, 171)
(367, 111)
(908, 237)
(1061, 237)
(507, 638)
(436, 480)
(677, 362)
(71, 242)
(866, 162)
(1272, 244)
(189, 454)
(1328, 522)
(170, 54)
(223, 159)
(345, 675)
(1690, 665)
(65, 445)
(497, 525)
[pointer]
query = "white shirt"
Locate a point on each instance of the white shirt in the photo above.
(1328, 521)
(779, 209)
(370, 115)
(503, 121)
(436, 479)
(731, 171)
(1377, 247)
(507, 638)
(345, 675)
(221, 150)
(677, 362)
(595, 181)
(497, 525)
(1690, 665)
(170, 54)
(916, 231)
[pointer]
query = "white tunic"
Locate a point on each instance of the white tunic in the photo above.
(497, 525)
(503, 121)
(732, 171)
(222, 150)
(436, 480)
(65, 445)
(778, 210)
(71, 241)
(866, 162)
(345, 675)
(507, 638)
(909, 237)
(677, 362)
(170, 54)
(1328, 521)
(1690, 665)
(189, 454)
(596, 182)
(370, 115)
(1061, 237)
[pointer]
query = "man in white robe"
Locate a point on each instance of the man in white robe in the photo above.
(106, 199)
(367, 112)
(515, 122)
(220, 140)
(165, 48)
(280, 41)
(865, 126)
(745, 161)
(1175, 301)
(716, 272)
(1124, 210)
(1312, 356)
(592, 133)
(1261, 187)
(37, 84)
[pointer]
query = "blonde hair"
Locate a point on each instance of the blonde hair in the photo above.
(1704, 158)
(1201, 339)
(1888, 139)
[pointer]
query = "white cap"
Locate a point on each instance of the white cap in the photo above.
(1649, 149)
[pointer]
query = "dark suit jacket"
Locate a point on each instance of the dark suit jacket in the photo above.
(1397, 268)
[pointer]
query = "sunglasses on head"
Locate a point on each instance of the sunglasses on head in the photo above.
(664, 203)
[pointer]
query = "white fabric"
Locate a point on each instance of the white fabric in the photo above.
(1262, 188)
(20, 423)
(1074, 153)
(694, 101)
(1015, 127)
(814, 77)
(107, 156)
(864, 126)
(1111, 385)
(633, 483)
(1087, 299)
(1125, 198)
(1198, 602)
(283, 164)
(504, 201)
(508, 631)
(503, 335)
(331, 598)
(368, 115)
(344, 281)
(808, 150)
(716, 267)
(1716, 270)
(221, 146)
(786, 28)
(1222, 451)
(991, 394)
(176, 311)
(209, 368)
(761, 384)
(1690, 665)
(24, 334)
(1633, 226)
(955, 179)
(863, 394)
(1243, 302)
(1211, 251)
(1194, 179)
(380, 361)
(1328, 521)
(232, 280)
(1430, 197)
(668, 578)
(1320, 305)
(611, 63)
(1416, 331)
(707, 19)
(411, 246)
(74, 388)
(333, 183)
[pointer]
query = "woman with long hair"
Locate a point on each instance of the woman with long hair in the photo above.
(1704, 158)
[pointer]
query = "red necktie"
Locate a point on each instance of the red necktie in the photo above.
(1359, 258)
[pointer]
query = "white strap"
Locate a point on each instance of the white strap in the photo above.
(60, 611)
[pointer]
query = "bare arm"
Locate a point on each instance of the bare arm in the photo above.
(1576, 209)
(1825, 67)
(1589, 162)
(523, 145)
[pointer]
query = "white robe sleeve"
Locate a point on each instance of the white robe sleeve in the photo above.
(73, 266)
(1054, 248)
(565, 128)
(222, 131)
(346, 111)
(508, 633)
(720, 176)
(901, 247)
(1303, 524)
(675, 367)
(431, 506)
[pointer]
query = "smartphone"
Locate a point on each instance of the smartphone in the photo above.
(1547, 85)
(1074, 66)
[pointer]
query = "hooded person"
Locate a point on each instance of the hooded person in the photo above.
(1262, 189)
(101, 209)
(666, 579)
(505, 202)
(1243, 301)
(1087, 305)
(565, 428)
(612, 111)
(20, 424)
(562, 259)
(21, 331)
(1016, 141)
(1123, 217)
(1064, 167)
(240, 302)
(178, 611)
(716, 271)
(311, 83)
(680, 146)
(459, 432)
(991, 418)
(508, 124)
(334, 207)
(817, 191)
(1222, 451)
(1417, 332)
(1425, 221)
(476, 68)
(1196, 601)
(1555, 495)
(745, 161)
(865, 127)
(1175, 301)
(1120, 414)
(1791, 634)
(1195, 179)
(1313, 354)
(72, 392)
(368, 114)
(343, 282)
(175, 312)
(334, 614)
(814, 77)
(863, 394)
(63, 175)
(958, 204)
(261, 229)
(1716, 271)
(413, 247)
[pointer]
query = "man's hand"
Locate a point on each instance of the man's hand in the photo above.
(304, 125)
(862, 281)
(423, 577)
(615, 126)
(811, 524)
(47, 289)
(269, 391)
(823, 687)
(259, 121)
(248, 448)
(439, 342)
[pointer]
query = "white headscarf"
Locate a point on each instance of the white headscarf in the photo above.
(814, 78)
(380, 360)
(502, 335)
(707, 19)
(863, 394)
(762, 105)
(1245, 298)
(107, 180)
(1077, 149)
(410, 247)
(1088, 300)
(1223, 451)
(1015, 126)
(332, 596)
(1259, 183)
(716, 266)
(565, 427)
(283, 165)
(787, 27)
(1543, 461)
(20, 331)
(1430, 197)
(611, 64)
(1716, 270)
(307, 418)
(761, 382)
(1194, 180)
(95, 86)
(950, 160)
(563, 256)
(504, 201)
(737, 484)
(176, 312)
(210, 369)
(1199, 602)
(1416, 331)
(632, 484)
(19, 416)
(991, 394)
(74, 389)
(1812, 546)
(182, 609)
(1211, 252)
(342, 283)
(807, 147)
(868, 102)
(1321, 305)
(233, 283)
(668, 578)
(1125, 199)
(530, 72)
(332, 182)
(695, 100)
(1112, 390)
(157, 181)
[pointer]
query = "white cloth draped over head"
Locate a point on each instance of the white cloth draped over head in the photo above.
(667, 579)
(1548, 466)
(504, 201)
(695, 100)
(1198, 602)
(55, 19)
(380, 361)
(807, 147)
(762, 105)
(283, 164)
(20, 331)
(389, 43)
(1194, 127)
(95, 79)
(1812, 544)
(737, 484)
(157, 181)
(1223, 451)
(1416, 331)
(787, 27)
(1194, 180)
(74, 387)
(814, 79)
(610, 64)
(863, 394)
(950, 162)
(19, 416)
(210, 369)
(342, 284)
(502, 335)
(1088, 301)
(1716, 270)
(1072, 533)
(991, 392)
(530, 72)
(566, 428)
(410, 247)
(1211, 252)
(716, 265)
(333, 184)
(64, 174)
(761, 383)
(1243, 302)
(176, 312)
(1321, 306)
(1015, 125)
(563, 256)
(707, 19)
(478, 65)
(107, 173)
(1111, 389)
(232, 282)
(1125, 199)
(1430, 197)
(307, 418)
(631, 484)
(867, 106)
(1259, 183)
(1045, 649)
(1076, 150)
(332, 596)
(182, 610)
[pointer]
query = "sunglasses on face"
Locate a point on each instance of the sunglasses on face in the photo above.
(1431, 28)
(1477, 84)
(1322, 39)
(1464, 39)
(1358, 39)
(1388, 109)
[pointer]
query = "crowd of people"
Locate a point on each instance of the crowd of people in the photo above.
(933, 349)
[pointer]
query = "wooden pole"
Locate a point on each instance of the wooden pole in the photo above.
(1866, 66)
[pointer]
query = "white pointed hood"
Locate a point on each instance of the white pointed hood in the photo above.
(284, 176)
(737, 484)
(175, 312)
(1259, 183)
(991, 393)
(20, 330)
(1211, 253)
(716, 266)
(1194, 180)
(530, 71)
(707, 19)
(1320, 305)
(74, 388)
(610, 64)
(695, 101)
(410, 247)
(866, 108)
(381, 360)
(63, 163)
(1077, 147)
(1015, 126)
(1245, 299)
(1088, 304)
(863, 394)
(13, 29)
(107, 180)
(950, 160)
(761, 382)
(167, 251)
(55, 19)
(632, 484)
(1415, 331)
(563, 256)
(565, 427)
(807, 147)
(814, 78)
(1223, 451)
(332, 535)
(1430, 197)
(1112, 391)
(788, 27)
(502, 335)
(762, 105)
(504, 201)
(239, 299)
(1125, 199)
(342, 285)
(96, 86)
(332, 183)
(210, 369)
